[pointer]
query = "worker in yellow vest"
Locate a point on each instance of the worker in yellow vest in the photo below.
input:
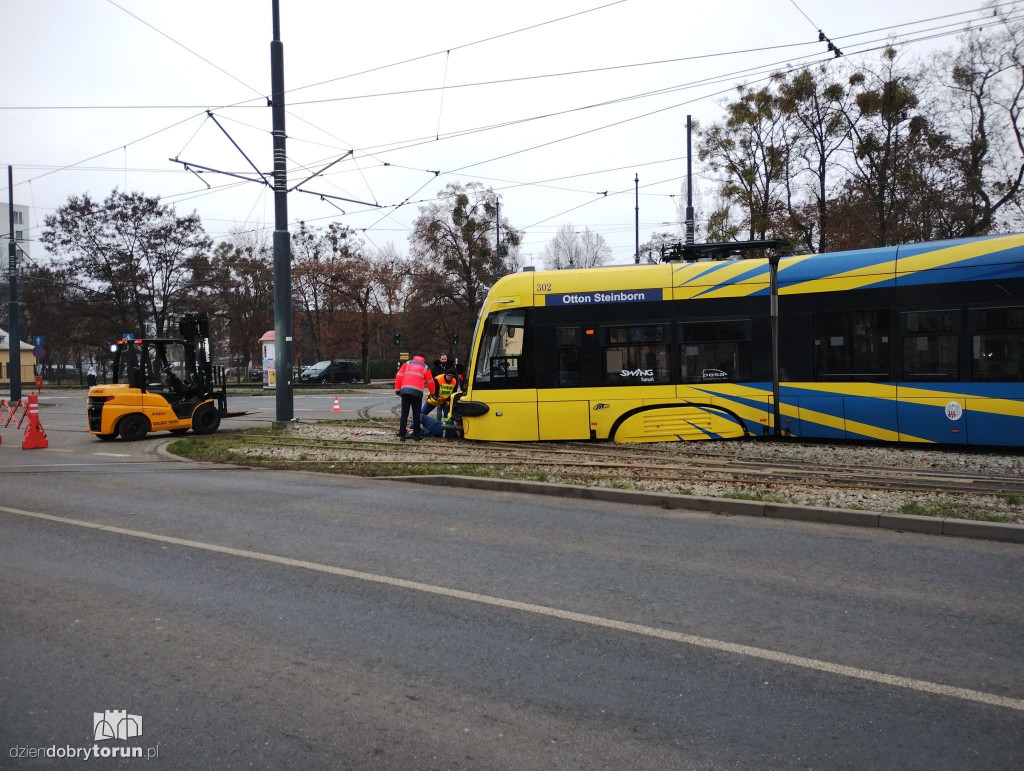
(445, 386)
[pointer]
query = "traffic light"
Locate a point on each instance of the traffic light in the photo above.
(398, 338)
(455, 338)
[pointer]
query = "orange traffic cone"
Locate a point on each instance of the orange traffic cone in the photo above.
(337, 407)
(35, 437)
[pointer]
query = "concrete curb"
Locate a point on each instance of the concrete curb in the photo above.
(962, 528)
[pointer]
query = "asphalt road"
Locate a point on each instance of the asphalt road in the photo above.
(273, 619)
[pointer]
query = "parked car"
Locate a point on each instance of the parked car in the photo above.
(337, 371)
(61, 373)
(256, 374)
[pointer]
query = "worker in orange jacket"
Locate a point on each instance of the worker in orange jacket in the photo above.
(412, 380)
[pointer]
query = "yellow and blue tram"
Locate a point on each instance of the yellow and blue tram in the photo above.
(915, 343)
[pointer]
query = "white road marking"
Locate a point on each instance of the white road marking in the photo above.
(113, 454)
(97, 464)
(750, 651)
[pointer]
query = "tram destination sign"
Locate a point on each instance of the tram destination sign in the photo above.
(604, 298)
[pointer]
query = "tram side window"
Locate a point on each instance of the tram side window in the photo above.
(931, 345)
(500, 361)
(997, 346)
(715, 350)
(852, 344)
(636, 355)
(568, 342)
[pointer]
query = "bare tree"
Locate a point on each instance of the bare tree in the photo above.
(750, 149)
(564, 250)
(454, 241)
(353, 280)
(134, 250)
(986, 94)
(819, 110)
(390, 287)
(595, 249)
(391, 280)
(239, 281)
(317, 266)
(652, 250)
(569, 249)
(885, 126)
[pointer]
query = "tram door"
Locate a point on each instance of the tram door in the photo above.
(563, 412)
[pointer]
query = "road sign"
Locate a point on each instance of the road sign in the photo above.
(37, 339)
(39, 352)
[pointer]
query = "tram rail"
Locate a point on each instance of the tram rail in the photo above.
(642, 463)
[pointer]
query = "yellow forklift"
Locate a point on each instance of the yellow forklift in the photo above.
(161, 384)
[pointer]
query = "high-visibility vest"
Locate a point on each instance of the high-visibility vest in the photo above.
(443, 390)
(414, 374)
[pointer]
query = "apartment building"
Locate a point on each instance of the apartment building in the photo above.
(22, 230)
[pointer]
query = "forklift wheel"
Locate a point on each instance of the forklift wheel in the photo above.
(133, 427)
(206, 419)
(105, 437)
(179, 431)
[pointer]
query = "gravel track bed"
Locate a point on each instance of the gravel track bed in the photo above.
(627, 466)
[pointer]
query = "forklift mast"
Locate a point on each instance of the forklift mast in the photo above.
(195, 331)
(161, 384)
(209, 381)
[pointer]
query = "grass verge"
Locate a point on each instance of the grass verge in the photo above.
(244, 449)
(950, 509)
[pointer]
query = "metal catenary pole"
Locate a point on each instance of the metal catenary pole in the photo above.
(689, 187)
(14, 341)
(282, 247)
(773, 268)
(636, 183)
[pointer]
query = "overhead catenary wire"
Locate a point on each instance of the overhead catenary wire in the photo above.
(112, 150)
(204, 113)
(444, 80)
(769, 69)
(606, 194)
(801, 10)
(215, 66)
(177, 43)
(521, 120)
(208, 113)
(457, 47)
(124, 147)
(632, 118)
(505, 80)
(454, 171)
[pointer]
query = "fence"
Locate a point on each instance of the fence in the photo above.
(35, 437)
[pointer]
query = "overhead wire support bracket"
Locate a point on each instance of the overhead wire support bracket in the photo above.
(188, 164)
(324, 196)
(230, 139)
(331, 203)
(208, 186)
(318, 173)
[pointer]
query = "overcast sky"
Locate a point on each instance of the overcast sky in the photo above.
(143, 73)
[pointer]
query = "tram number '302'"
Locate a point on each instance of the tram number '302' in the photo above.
(543, 287)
